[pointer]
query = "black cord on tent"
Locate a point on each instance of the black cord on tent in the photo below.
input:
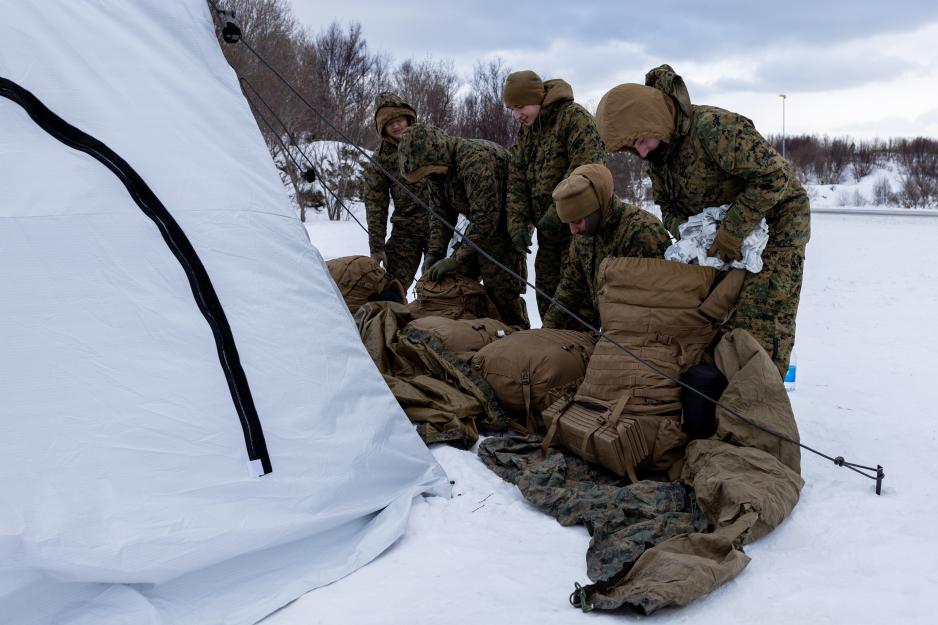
(308, 174)
(230, 26)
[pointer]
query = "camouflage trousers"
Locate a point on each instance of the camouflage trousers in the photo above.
(404, 248)
(768, 302)
(552, 252)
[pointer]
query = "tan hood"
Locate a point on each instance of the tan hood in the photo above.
(557, 90)
(390, 106)
(630, 111)
(587, 189)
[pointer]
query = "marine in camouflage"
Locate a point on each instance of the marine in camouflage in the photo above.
(562, 138)
(716, 157)
(468, 177)
(625, 230)
(409, 221)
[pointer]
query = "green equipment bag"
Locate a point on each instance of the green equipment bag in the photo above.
(462, 337)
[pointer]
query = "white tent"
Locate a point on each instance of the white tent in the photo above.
(135, 409)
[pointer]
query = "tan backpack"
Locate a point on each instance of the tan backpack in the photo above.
(668, 314)
(361, 279)
(455, 296)
(461, 337)
(530, 368)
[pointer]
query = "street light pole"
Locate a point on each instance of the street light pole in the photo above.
(782, 97)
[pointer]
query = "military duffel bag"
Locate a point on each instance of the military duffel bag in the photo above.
(455, 296)
(361, 280)
(461, 337)
(598, 432)
(619, 435)
(529, 369)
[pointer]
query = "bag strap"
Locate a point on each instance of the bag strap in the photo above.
(552, 430)
(528, 408)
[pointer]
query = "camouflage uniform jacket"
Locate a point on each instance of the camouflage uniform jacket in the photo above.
(722, 159)
(378, 190)
(474, 186)
(626, 231)
(562, 138)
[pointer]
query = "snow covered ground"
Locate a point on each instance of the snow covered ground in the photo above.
(866, 367)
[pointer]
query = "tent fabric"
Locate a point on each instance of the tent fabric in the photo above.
(127, 491)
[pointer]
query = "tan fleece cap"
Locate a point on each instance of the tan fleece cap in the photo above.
(587, 189)
(523, 88)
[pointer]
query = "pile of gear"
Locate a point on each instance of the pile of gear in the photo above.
(650, 406)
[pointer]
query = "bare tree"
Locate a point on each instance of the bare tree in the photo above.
(630, 178)
(483, 115)
(349, 77)
(431, 88)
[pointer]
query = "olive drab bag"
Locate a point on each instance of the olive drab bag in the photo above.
(668, 314)
(455, 296)
(530, 368)
(461, 337)
(361, 280)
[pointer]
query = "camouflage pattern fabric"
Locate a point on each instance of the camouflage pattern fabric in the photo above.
(624, 519)
(626, 231)
(409, 221)
(562, 138)
(474, 186)
(722, 159)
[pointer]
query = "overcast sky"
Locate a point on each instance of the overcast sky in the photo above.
(861, 68)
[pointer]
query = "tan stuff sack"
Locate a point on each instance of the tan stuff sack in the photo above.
(668, 314)
(455, 296)
(598, 432)
(361, 280)
(665, 312)
(531, 368)
(461, 337)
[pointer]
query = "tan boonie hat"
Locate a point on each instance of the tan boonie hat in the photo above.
(523, 88)
(587, 189)
(631, 111)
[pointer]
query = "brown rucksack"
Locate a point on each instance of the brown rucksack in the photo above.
(530, 368)
(455, 296)
(668, 314)
(461, 337)
(361, 280)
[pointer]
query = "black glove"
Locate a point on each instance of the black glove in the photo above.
(522, 241)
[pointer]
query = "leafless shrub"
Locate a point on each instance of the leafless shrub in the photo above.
(882, 192)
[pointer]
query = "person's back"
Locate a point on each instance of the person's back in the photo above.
(467, 176)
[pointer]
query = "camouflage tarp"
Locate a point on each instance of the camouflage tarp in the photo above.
(659, 544)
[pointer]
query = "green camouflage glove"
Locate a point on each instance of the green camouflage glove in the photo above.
(550, 223)
(443, 267)
(727, 246)
(428, 261)
(522, 241)
(381, 258)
